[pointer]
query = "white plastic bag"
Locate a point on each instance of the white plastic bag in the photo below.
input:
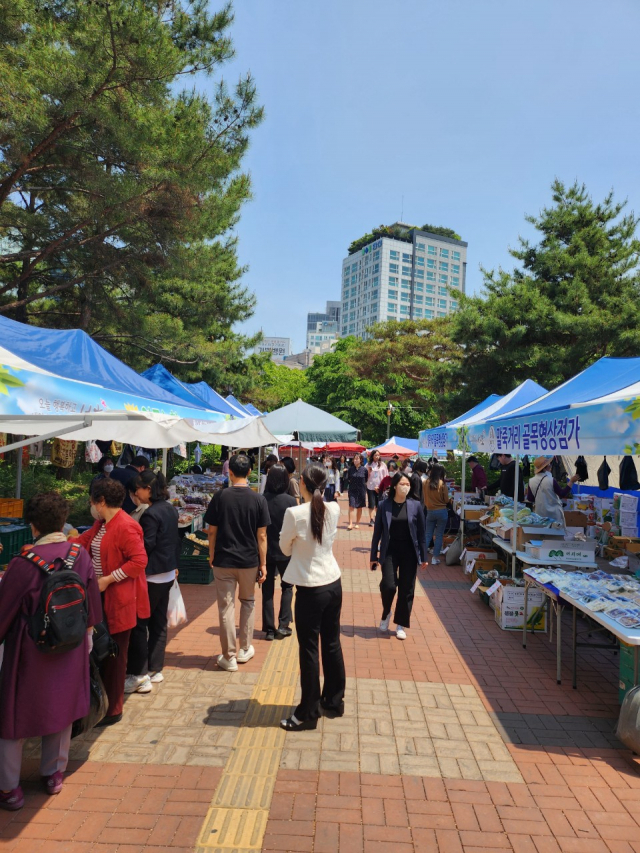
(176, 612)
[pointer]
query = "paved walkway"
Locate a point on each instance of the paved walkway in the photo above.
(455, 740)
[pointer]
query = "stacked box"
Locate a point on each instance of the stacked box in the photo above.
(509, 608)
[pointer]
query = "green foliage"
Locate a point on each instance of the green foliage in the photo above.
(574, 298)
(398, 233)
(417, 363)
(39, 477)
(210, 457)
(274, 385)
(118, 183)
(443, 232)
(338, 385)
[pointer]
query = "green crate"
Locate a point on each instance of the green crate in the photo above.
(627, 655)
(189, 548)
(12, 538)
(191, 572)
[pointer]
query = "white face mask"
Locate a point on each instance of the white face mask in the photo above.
(403, 488)
(95, 513)
(108, 469)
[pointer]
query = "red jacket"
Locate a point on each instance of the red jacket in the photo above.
(122, 547)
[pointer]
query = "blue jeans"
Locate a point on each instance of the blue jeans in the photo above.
(435, 527)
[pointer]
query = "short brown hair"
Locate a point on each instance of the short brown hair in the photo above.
(112, 491)
(47, 512)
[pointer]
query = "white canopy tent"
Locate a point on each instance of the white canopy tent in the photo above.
(142, 428)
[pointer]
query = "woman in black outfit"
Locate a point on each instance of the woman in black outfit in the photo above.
(276, 493)
(400, 526)
(162, 543)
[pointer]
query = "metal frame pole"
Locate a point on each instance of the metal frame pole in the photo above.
(514, 529)
(19, 474)
(463, 486)
(165, 456)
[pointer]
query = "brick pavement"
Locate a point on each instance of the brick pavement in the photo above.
(455, 741)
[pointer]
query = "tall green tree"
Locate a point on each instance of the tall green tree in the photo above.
(274, 385)
(573, 298)
(338, 385)
(119, 182)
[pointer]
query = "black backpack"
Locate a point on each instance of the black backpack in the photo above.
(61, 619)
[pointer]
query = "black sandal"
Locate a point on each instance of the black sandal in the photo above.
(289, 725)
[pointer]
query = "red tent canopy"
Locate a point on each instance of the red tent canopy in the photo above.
(388, 451)
(342, 447)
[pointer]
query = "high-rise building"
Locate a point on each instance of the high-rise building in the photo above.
(415, 277)
(323, 329)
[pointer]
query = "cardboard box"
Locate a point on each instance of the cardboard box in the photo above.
(475, 514)
(477, 554)
(625, 503)
(576, 519)
(508, 603)
(526, 534)
(563, 552)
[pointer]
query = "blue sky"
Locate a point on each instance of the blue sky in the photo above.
(467, 108)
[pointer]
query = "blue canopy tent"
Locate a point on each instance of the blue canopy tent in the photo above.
(455, 432)
(213, 399)
(56, 382)
(252, 409)
(594, 412)
(238, 405)
(437, 438)
(52, 371)
(162, 378)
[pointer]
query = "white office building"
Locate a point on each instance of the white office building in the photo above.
(323, 328)
(391, 279)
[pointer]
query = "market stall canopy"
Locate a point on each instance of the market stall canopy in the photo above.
(212, 399)
(237, 405)
(595, 412)
(309, 423)
(252, 409)
(147, 429)
(436, 437)
(205, 397)
(55, 372)
(396, 446)
(524, 394)
(342, 447)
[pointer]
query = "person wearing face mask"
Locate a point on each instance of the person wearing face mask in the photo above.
(398, 546)
(105, 467)
(116, 546)
(140, 506)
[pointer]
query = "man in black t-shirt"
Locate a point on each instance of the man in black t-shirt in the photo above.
(238, 519)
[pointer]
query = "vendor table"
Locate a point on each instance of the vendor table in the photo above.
(507, 547)
(559, 600)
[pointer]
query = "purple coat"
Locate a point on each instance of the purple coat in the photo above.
(40, 694)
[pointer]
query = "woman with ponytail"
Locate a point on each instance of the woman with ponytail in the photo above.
(307, 537)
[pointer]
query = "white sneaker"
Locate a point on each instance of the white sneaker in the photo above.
(245, 654)
(435, 561)
(138, 684)
(384, 623)
(156, 677)
(227, 665)
(401, 634)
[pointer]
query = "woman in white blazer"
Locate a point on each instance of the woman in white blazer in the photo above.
(307, 537)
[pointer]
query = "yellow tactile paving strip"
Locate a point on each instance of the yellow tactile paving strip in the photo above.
(237, 818)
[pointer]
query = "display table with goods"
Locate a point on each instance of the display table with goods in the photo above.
(610, 603)
(191, 495)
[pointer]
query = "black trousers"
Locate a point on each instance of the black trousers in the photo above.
(149, 637)
(318, 611)
(399, 572)
(284, 616)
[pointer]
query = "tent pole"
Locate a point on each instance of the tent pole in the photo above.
(463, 486)
(23, 442)
(259, 472)
(514, 529)
(19, 474)
(165, 456)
